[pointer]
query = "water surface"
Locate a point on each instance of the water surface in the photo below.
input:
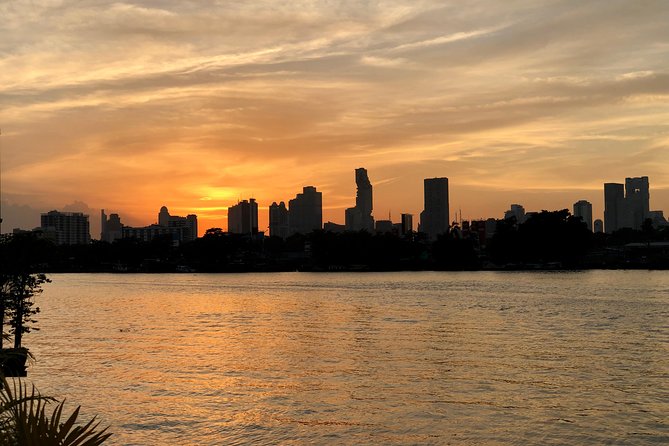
(377, 358)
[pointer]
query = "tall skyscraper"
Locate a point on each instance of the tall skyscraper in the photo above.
(305, 211)
(626, 206)
(243, 217)
(637, 202)
(360, 218)
(583, 209)
(71, 228)
(434, 219)
(278, 220)
(407, 224)
(614, 197)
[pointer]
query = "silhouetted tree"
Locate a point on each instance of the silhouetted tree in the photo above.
(546, 236)
(19, 282)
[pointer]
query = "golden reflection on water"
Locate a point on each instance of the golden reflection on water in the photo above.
(429, 358)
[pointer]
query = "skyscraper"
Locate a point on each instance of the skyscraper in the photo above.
(71, 228)
(243, 217)
(278, 220)
(305, 211)
(637, 202)
(628, 210)
(614, 197)
(407, 224)
(583, 209)
(434, 219)
(360, 218)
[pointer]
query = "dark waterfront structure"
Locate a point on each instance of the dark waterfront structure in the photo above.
(516, 211)
(360, 218)
(278, 220)
(406, 224)
(384, 226)
(626, 206)
(179, 229)
(111, 227)
(188, 223)
(305, 211)
(71, 228)
(583, 209)
(151, 232)
(434, 219)
(243, 217)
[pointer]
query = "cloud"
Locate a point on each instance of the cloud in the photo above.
(184, 100)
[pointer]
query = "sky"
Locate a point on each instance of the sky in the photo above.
(129, 106)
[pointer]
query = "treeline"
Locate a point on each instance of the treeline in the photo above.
(547, 240)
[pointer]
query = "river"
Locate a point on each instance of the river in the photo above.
(497, 358)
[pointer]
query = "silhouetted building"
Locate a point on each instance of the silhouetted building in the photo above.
(657, 217)
(243, 217)
(583, 209)
(626, 206)
(71, 228)
(360, 218)
(177, 229)
(406, 224)
(598, 226)
(477, 231)
(434, 219)
(189, 223)
(39, 233)
(334, 227)
(305, 211)
(614, 197)
(490, 227)
(383, 226)
(148, 233)
(111, 228)
(637, 202)
(516, 211)
(278, 220)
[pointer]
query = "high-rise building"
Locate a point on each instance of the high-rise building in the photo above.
(407, 224)
(614, 198)
(583, 209)
(434, 219)
(360, 218)
(657, 217)
(188, 223)
(516, 211)
(305, 211)
(71, 228)
(177, 229)
(626, 206)
(383, 226)
(278, 220)
(111, 228)
(243, 217)
(637, 202)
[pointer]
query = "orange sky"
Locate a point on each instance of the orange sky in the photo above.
(129, 106)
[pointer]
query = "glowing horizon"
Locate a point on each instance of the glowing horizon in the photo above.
(129, 106)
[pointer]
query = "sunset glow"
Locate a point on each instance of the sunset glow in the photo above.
(129, 106)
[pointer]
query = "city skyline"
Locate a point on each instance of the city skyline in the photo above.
(521, 102)
(626, 206)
